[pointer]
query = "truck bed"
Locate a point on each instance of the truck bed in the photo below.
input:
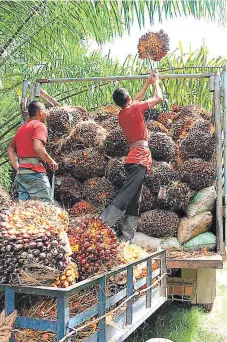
(194, 260)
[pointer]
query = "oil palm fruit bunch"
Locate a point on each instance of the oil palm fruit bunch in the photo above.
(61, 119)
(197, 144)
(195, 111)
(161, 174)
(155, 126)
(30, 233)
(68, 277)
(98, 191)
(198, 125)
(148, 201)
(159, 223)
(167, 119)
(110, 123)
(153, 45)
(162, 146)
(198, 174)
(68, 190)
(85, 164)
(115, 172)
(4, 198)
(82, 208)
(65, 145)
(180, 126)
(105, 112)
(178, 196)
(94, 246)
(89, 133)
(116, 144)
(151, 114)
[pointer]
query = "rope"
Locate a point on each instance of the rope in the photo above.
(137, 293)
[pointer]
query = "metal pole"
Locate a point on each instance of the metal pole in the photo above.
(219, 216)
(224, 87)
(121, 78)
(24, 113)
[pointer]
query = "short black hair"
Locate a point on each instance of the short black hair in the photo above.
(120, 96)
(34, 107)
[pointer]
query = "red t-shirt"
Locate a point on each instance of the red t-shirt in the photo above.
(132, 122)
(23, 142)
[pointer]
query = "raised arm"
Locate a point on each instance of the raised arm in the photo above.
(157, 98)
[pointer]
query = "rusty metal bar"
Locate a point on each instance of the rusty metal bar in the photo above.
(219, 217)
(121, 78)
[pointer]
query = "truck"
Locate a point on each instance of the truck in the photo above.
(185, 279)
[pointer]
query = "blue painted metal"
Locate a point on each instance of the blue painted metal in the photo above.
(9, 300)
(102, 309)
(149, 282)
(36, 324)
(129, 293)
(62, 315)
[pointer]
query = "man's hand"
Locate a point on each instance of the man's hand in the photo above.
(53, 165)
(153, 77)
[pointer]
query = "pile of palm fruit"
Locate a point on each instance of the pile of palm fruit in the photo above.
(182, 144)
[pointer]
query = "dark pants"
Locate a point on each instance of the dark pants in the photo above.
(129, 197)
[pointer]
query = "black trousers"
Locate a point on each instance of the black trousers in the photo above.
(129, 197)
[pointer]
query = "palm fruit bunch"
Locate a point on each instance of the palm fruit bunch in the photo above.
(155, 126)
(115, 172)
(61, 119)
(4, 199)
(159, 223)
(68, 190)
(161, 174)
(98, 191)
(89, 133)
(153, 45)
(105, 112)
(116, 144)
(151, 114)
(198, 125)
(197, 144)
(180, 126)
(94, 246)
(68, 277)
(162, 146)
(148, 201)
(30, 233)
(110, 123)
(84, 164)
(82, 208)
(178, 196)
(198, 174)
(65, 145)
(195, 111)
(167, 119)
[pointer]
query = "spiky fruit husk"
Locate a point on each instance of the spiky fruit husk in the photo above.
(98, 191)
(197, 144)
(198, 174)
(85, 164)
(162, 147)
(198, 125)
(116, 144)
(159, 223)
(148, 201)
(153, 45)
(68, 190)
(61, 119)
(167, 119)
(105, 113)
(30, 234)
(94, 245)
(155, 126)
(115, 172)
(178, 196)
(82, 208)
(89, 133)
(161, 174)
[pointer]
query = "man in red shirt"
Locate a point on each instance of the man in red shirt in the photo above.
(132, 121)
(27, 154)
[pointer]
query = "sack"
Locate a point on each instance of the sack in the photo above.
(191, 227)
(153, 243)
(204, 200)
(205, 240)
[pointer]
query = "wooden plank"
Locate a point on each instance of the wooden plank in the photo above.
(206, 286)
(213, 261)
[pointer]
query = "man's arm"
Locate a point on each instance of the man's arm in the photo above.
(157, 98)
(13, 156)
(42, 153)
